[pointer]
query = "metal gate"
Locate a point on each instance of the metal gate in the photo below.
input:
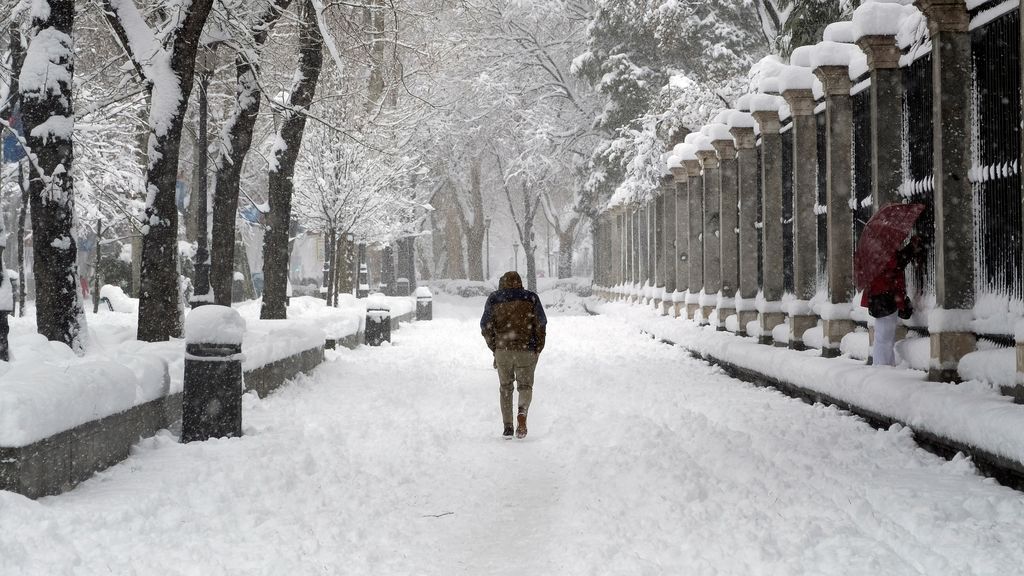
(995, 172)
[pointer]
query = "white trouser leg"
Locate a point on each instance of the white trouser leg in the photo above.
(882, 353)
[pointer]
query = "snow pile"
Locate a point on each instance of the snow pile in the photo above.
(119, 301)
(6, 291)
(856, 344)
(578, 285)
(463, 288)
(39, 398)
(994, 366)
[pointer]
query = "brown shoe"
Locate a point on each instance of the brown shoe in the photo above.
(521, 428)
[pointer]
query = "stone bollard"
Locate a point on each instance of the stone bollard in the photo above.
(402, 287)
(424, 304)
(378, 322)
(212, 395)
(363, 289)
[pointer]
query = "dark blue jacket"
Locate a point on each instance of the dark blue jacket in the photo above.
(513, 317)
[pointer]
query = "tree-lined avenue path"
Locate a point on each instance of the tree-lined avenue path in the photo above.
(640, 460)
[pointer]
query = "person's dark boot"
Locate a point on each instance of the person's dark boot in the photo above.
(521, 428)
(508, 430)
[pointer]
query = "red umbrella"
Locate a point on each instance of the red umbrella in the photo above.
(883, 235)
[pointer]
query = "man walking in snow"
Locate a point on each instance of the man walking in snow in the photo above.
(514, 327)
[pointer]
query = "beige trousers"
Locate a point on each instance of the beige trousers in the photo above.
(515, 366)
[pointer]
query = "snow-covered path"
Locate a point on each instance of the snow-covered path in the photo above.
(640, 460)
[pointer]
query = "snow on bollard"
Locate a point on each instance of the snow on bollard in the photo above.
(378, 320)
(212, 398)
(424, 304)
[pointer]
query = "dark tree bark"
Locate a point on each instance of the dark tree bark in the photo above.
(159, 299)
(527, 237)
(524, 224)
(48, 119)
(476, 228)
(17, 60)
(330, 264)
(275, 242)
(21, 243)
(566, 236)
(231, 156)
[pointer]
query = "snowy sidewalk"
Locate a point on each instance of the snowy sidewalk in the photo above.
(640, 460)
(969, 417)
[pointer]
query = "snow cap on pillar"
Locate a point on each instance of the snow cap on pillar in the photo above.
(680, 153)
(700, 141)
(798, 75)
(716, 131)
(212, 324)
(765, 103)
(839, 32)
(740, 119)
(875, 18)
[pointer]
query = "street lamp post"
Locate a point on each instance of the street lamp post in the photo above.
(515, 247)
(487, 233)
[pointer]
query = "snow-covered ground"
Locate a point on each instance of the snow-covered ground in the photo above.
(640, 460)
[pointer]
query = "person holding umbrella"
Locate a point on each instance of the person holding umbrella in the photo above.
(879, 264)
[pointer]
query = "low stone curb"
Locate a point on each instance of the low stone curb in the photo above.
(56, 464)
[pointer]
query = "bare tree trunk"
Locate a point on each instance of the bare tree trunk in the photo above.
(330, 263)
(48, 121)
(22, 289)
(476, 229)
(565, 249)
(275, 244)
(231, 157)
(159, 297)
(527, 238)
(453, 241)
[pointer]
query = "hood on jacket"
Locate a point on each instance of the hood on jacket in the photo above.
(510, 280)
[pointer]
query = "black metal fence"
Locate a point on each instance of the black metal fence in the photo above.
(995, 174)
(821, 182)
(861, 161)
(918, 182)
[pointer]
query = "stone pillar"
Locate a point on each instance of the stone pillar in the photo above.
(634, 255)
(747, 184)
(727, 218)
(710, 233)
(886, 111)
(642, 243)
(805, 222)
(658, 241)
(951, 336)
(668, 245)
(621, 245)
(682, 262)
(839, 142)
(771, 219)
(695, 243)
